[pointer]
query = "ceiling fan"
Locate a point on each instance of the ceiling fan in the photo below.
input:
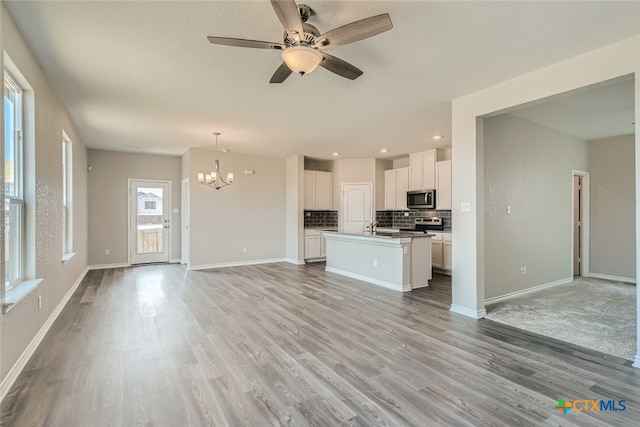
(303, 47)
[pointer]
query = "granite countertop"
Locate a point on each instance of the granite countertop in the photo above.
(385, 234)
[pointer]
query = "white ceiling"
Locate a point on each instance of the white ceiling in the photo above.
(599, 112)
(141, 76)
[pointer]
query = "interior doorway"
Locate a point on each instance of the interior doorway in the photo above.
(149, 221)
(581, 225)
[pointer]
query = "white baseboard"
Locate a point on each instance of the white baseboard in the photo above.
(474, 314)
(236, 263)
(527, 291)
(175, 261)
(294, 261)
(17, 368)
(383, 283)
(103, 266)
(441, 271)
(613, 278)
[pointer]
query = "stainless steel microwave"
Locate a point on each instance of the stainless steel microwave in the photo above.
(425, 199)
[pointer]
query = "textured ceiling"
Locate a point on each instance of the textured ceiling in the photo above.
(141, 76)
(597, 112)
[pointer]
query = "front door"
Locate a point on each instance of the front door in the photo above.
(149, 221)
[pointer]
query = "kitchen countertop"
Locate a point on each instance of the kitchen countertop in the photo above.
(322, 228)
(385, 234)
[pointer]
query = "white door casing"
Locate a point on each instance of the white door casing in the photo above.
(356, 206)
(585, 191)
(184, 219)
(149, 221)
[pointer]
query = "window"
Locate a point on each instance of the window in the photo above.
(67, 197)
(13, 183)
(149, 205)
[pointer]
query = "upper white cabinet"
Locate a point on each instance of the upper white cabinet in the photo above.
(396, 185)
(422, 169)
(317, 190)
(443, 185)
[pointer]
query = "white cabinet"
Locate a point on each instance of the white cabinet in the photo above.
(441, 251)
(437, 260)
(317, 190)
(446, 251)
(315, 246)
(422, 169)
(396, 185)
(443, 185)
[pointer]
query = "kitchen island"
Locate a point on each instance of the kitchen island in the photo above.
(399, 261)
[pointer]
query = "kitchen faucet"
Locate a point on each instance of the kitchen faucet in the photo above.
(369, 225)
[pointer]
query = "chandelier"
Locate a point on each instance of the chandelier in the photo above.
(215, 178)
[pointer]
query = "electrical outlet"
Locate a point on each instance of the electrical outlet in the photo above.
(39, 302)
(107, 252)
(244, 250)
(508, 209)
(523, 270)
(406, 214)
(375, 262)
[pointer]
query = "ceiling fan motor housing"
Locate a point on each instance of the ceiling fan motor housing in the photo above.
(310, 34)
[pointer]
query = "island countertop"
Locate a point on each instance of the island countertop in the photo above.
(380, 234)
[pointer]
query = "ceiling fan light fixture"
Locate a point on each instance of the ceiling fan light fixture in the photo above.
(301, 59)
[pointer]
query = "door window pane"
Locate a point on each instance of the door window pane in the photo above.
(150, 221)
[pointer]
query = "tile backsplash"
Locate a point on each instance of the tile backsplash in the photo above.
(389, 219)
(397, 219)
(313, 219)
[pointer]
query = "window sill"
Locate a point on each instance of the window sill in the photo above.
(17, 293)
(67, 257)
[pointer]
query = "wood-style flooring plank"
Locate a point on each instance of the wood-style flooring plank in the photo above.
(281, 344)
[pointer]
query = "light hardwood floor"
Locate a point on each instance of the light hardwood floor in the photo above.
(280, 344)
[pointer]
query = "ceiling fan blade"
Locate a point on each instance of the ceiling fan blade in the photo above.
(340, 67)
(355, 31)
(289, 16)
(281, 74)
(228, 41)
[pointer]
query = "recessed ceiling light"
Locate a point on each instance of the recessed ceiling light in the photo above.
(437, 136)
(335, 154)
(384, 150)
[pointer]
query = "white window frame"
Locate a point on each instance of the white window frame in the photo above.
(15, 199)
(22, 193)
(67, 198)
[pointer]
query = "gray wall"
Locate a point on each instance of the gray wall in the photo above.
(612, 167)
(529, 167)
(21, 325)
(250, 213)
(108, 200)
(294, 209)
